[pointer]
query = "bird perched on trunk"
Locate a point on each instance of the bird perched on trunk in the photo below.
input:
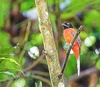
(68, 34)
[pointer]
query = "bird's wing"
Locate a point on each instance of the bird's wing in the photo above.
(78, 39)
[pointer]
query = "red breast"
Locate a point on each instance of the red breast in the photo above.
(68, 36)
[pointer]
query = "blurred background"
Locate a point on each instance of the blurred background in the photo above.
(22, 63)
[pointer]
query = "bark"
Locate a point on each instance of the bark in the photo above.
(49, 44)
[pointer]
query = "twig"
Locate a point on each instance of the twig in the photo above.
(34, 64)
(82, 74)
(41, 73)
(32, 75)
(42, 79)
(9, 83)
(24, 41)
(69, 48)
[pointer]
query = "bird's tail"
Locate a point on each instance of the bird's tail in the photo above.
(78, 65)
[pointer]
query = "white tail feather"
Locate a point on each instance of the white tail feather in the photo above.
(78, 66)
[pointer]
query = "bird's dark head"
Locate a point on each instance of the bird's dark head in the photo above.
(67, 25)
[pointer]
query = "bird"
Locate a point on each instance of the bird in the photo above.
(68, 34)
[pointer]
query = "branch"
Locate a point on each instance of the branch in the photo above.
(82, 74)
(24, 41)
(33, 74)
(69, 48)
(9, 83)
(48, 41)
(41, 73)
(42, 79)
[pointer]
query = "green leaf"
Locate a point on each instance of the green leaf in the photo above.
(26, 5)
(4, 8)
(21, 71)
(83, 34)
(1, 19)
(38, 84)
(9, 59)
(8, 68)
(36, 39)
(8, 73)
(19, 83)
(50, 2)
(3, 76)
(98, 64)
(4, 39)
(12, 60)
(8, 64)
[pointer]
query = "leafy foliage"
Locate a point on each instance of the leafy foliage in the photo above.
(14, 56)
(9, 67)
